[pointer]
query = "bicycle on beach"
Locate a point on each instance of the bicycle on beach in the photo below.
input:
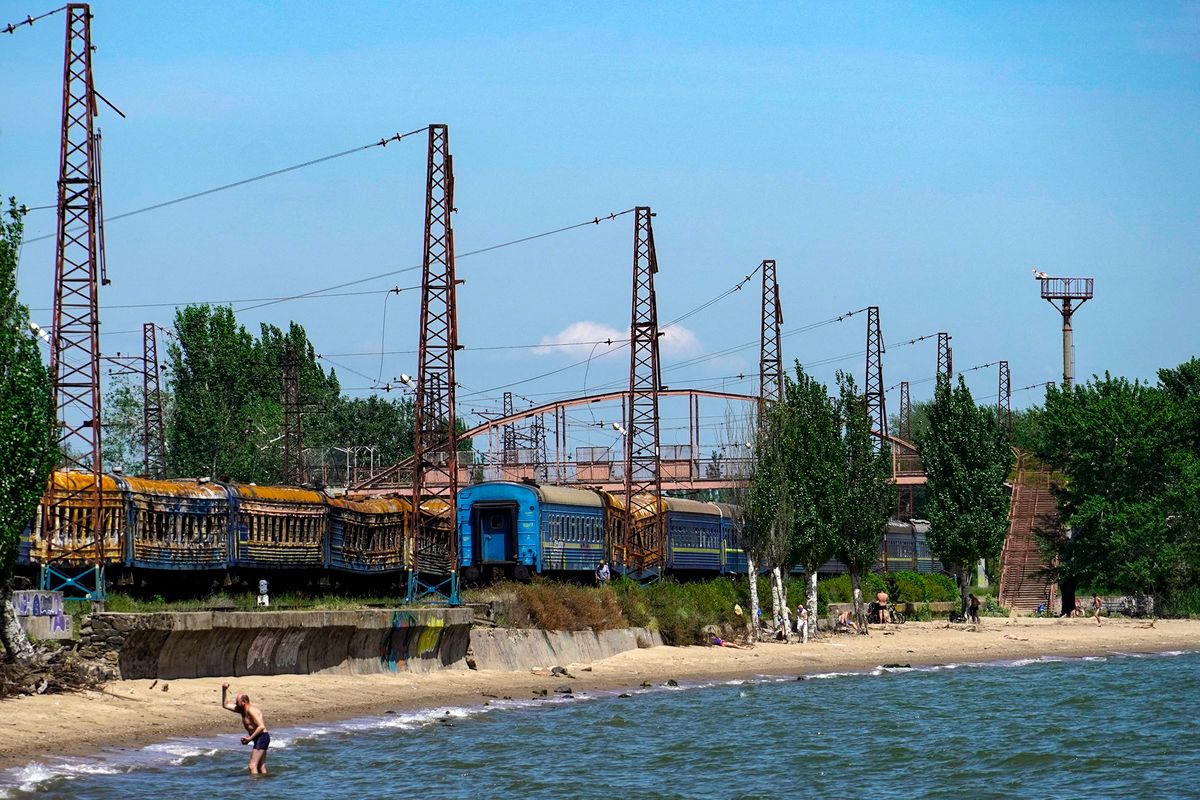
(893, 614)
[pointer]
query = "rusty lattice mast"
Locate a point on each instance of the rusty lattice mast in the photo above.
(292, 434)
(945, 356)
(75, 336)
(770, 361)
(873, 392)
(433, 550)
(154, 436)
(904, 494)
(1004, 403)
(642, 545)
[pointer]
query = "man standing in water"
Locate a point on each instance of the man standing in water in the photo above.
(256, 728)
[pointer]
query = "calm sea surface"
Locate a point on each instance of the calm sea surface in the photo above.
(1121, 726)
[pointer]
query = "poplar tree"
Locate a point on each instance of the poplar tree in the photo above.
(966, 458)
(814, 480)
(870, 496)
(27, 445)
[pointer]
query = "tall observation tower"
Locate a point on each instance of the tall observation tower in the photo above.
(1066, 295)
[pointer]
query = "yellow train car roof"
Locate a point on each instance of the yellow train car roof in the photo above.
(181, 488)
(277, 494)
(372, 505)
(74, 481)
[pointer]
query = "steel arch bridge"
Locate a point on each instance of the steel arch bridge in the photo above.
(682, 467)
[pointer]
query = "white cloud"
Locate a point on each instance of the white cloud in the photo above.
(569, 339)
(579, 340)
(679, 342)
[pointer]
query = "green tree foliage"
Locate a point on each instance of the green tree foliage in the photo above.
(870, 496)
(227, 389)
(966, 458)
(812, 470)
(1131, 500)
(27, 446)
(372, 421)
(124, 420)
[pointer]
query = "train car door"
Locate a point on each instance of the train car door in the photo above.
(497, 527)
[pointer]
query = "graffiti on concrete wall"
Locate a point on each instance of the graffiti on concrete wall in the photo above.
(411, 638)
(37, 604)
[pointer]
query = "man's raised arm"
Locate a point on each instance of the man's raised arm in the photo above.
(224, 701)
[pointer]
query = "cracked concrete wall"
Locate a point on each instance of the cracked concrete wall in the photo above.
(218, 643)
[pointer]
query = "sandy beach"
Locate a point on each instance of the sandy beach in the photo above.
(135, 713)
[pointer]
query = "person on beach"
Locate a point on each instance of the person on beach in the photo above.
(845, 621)
(256, 728)
(717, 641)
(1098, 605)
(973, 614)
(881, 602)
(802, 622)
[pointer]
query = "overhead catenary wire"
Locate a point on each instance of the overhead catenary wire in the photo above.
(29, 20)
(224, 187)
(593, 221)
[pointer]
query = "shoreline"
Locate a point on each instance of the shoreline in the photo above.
(129, 715)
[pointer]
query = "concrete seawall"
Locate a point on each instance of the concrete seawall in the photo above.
(220, 643)
(509, 650)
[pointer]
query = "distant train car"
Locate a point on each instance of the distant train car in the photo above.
(368, 535)
(519, 529)
(276, 527)
(176, 524)
(62, 532)
(694, 534)
(733, 557)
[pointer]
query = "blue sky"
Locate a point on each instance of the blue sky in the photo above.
(919, 157)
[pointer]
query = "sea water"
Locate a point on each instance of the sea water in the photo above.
(1123, 725)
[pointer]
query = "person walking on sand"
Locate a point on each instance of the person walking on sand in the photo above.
(1097, 604)
(256, 728)
(973, 610)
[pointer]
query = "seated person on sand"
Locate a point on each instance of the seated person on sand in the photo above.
(717, 641)
(844, 621)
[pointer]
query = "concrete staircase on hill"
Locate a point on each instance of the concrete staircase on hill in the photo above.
(1033, 508)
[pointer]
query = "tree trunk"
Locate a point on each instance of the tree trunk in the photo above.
(12, 635)
(964, 586)
(776, 611)
(860, 612)
(752, 615)
(811, 629)
(781, 619)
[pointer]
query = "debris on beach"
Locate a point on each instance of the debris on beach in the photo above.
(52, 670)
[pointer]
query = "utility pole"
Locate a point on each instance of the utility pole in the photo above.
(1066, 295)
(293, 467)
(873, 391)
(945, 356)
(75, 336)
(1004, 404)
(770, 362)
(433, 542)
(154, 436)
(642, 540)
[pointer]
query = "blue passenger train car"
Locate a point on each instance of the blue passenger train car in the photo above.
(694, 536)
(517, 529)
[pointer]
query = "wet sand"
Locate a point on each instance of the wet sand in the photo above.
(135, 713)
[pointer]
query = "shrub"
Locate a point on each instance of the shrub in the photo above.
(907, 587)
(940, 588)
